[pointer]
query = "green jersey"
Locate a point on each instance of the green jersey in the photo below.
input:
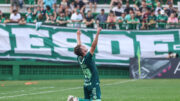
(127, 17)
(123, 19)
(149, 2)
(152, 18)
(51, 12)
(133, 20)
(133, 23)
(154, 4)
(29, 15)
(2, 20)
(31, 2)
(138, 2)
(62, 18)
(122, 25)
(162, 17)
(38, 13)
(87, 64)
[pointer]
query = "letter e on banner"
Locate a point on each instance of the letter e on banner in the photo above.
(24, 42)
(148, 46)
(4, 41)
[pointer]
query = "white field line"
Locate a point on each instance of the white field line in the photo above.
(32, 89)
(117, 83)
(45, 92)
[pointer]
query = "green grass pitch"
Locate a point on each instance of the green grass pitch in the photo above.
(112, 90)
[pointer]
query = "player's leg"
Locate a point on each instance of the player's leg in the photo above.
(88, 100)
(96, 93)
(86, 95)
(72, 98)
(93, 95)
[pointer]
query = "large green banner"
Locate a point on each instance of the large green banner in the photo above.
(52, 43)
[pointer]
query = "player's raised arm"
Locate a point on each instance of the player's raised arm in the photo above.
(78, 37)
(94, 44)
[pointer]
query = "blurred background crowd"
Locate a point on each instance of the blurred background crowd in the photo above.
(141, 14)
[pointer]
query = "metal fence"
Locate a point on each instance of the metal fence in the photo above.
(121, 26)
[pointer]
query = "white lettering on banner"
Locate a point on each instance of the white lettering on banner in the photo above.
(4, 41)
(176, 47)
(177, 68)
(24, 42)
(148, 46)
(105, 47)
(60, 39)
(112, 48)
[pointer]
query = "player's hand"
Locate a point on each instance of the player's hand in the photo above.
(78, 32)
(99, 30)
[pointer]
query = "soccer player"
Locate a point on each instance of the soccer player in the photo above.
(86, 60)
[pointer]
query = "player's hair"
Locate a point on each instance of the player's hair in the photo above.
(78, 51)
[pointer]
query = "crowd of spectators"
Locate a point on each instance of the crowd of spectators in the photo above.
(143, 14)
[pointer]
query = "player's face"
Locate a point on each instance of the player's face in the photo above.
(84, 49)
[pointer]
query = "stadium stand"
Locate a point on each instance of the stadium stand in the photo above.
(149, 14)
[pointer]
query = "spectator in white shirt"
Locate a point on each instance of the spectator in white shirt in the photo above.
(118, 10)
(15, 17)
(77, 18)
(158, 8)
